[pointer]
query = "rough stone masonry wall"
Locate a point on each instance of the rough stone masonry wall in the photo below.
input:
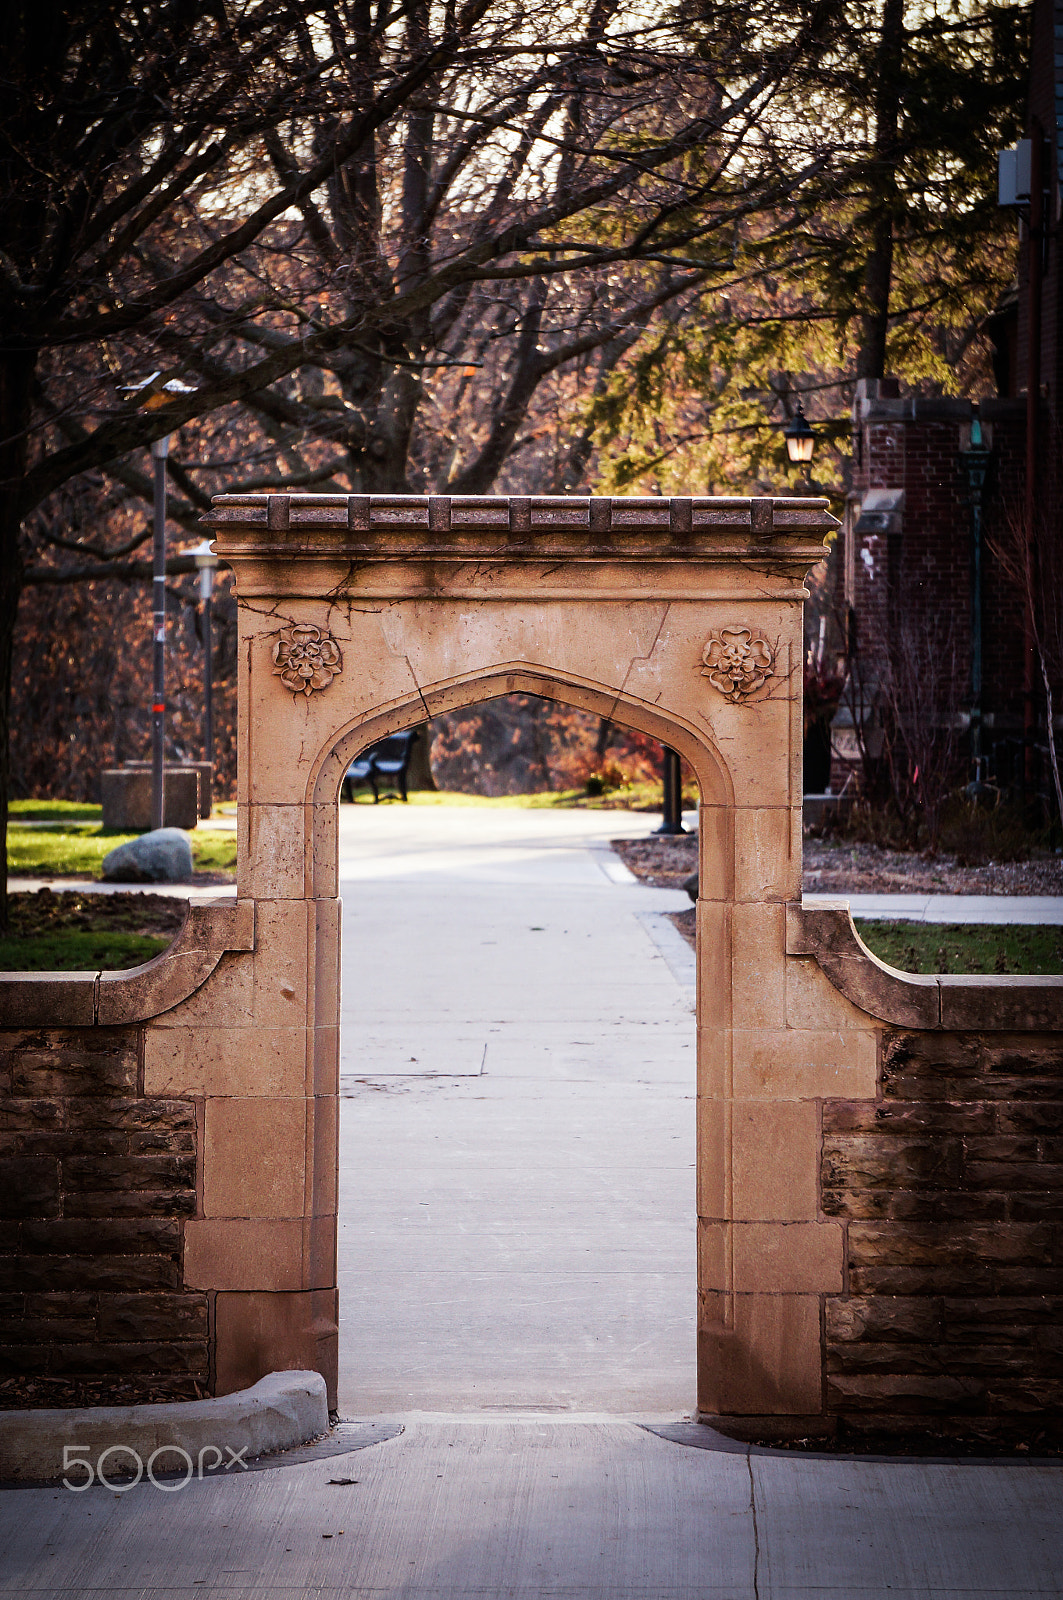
(950, 1185)
(97, 1180)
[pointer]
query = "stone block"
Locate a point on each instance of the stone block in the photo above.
(31, 1116)
(797, 1064)
(126, 796)
(245, 1254)
(921, 1393)
(211, 930)
(814, 1002)
(879, 1356)
(30, 1187)
(853, 1162)
(162, 1141)
(225, 1061)
(124, 1237)
(154, 1172)
(254, 1161)
(714, 1158)
(271, 852)
(714, 1256)
(261, 1333)
(75, 1063)
(787, 1258)
(984, 1004)
(765, 866)
(47, 1000)
(893, 1319)
(169, 1202)
(911, 1245)
(887, 1117)
(126, 1317)
(204, 771)
(163, 1356)
(119, 1272)
(130, 1114)
(713, 920)
(775, 1161)
(767, 1364)
(758, 970)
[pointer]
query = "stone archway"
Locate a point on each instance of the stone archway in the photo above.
(679, 617)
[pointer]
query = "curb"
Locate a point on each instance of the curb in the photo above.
(281, 1410)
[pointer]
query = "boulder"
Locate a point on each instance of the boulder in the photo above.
(691, 885)
(162, 856)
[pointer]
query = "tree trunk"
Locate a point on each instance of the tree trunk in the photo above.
(16, 373)
(878, 273)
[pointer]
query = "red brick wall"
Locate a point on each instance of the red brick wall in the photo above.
(923, 571)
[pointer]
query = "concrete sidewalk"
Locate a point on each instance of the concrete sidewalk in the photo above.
(517, 1129)
(1040, 909)
(468, 1509)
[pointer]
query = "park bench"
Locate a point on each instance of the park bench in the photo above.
(387, 760)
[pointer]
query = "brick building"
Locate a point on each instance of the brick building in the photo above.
(938, 485)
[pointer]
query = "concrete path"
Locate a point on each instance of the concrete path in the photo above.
(517, 1130)
(997, 908)
(468, 1509)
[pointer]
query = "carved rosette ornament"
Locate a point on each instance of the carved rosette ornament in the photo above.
(736, 663)
(306, 657)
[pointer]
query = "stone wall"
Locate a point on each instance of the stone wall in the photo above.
(97, 1179)
(950, 1186)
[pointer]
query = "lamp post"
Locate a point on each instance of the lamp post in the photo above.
(672, 821)
(974, 463)
(207, 565)
(153, 396)
(800, 440)
(160, 449)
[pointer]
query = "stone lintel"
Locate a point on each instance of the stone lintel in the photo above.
(783, 535)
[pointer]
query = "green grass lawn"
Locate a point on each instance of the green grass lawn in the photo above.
(82, 931)
(63, 838)
(68, 951)
(964, 947)
(40, 849)
(638, 797)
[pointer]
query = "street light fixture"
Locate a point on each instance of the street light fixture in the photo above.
(207, 564)
(155, 396)
(800, 439)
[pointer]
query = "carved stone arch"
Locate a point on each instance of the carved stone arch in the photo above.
(693, 744)
(682, 618)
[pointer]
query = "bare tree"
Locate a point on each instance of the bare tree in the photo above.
(344, 218)
(922, 690)
(1030, 561)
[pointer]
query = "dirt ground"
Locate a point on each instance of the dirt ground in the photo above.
(841, 867)
(68, 911)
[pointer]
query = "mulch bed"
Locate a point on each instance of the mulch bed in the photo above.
(70, 911)
(841, 867)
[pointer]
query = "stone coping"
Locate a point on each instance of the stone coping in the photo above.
(514, 527)
(911, 1000)
(110, 999)
(281, 1410)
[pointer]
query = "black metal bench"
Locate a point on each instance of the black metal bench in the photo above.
(389, 759)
